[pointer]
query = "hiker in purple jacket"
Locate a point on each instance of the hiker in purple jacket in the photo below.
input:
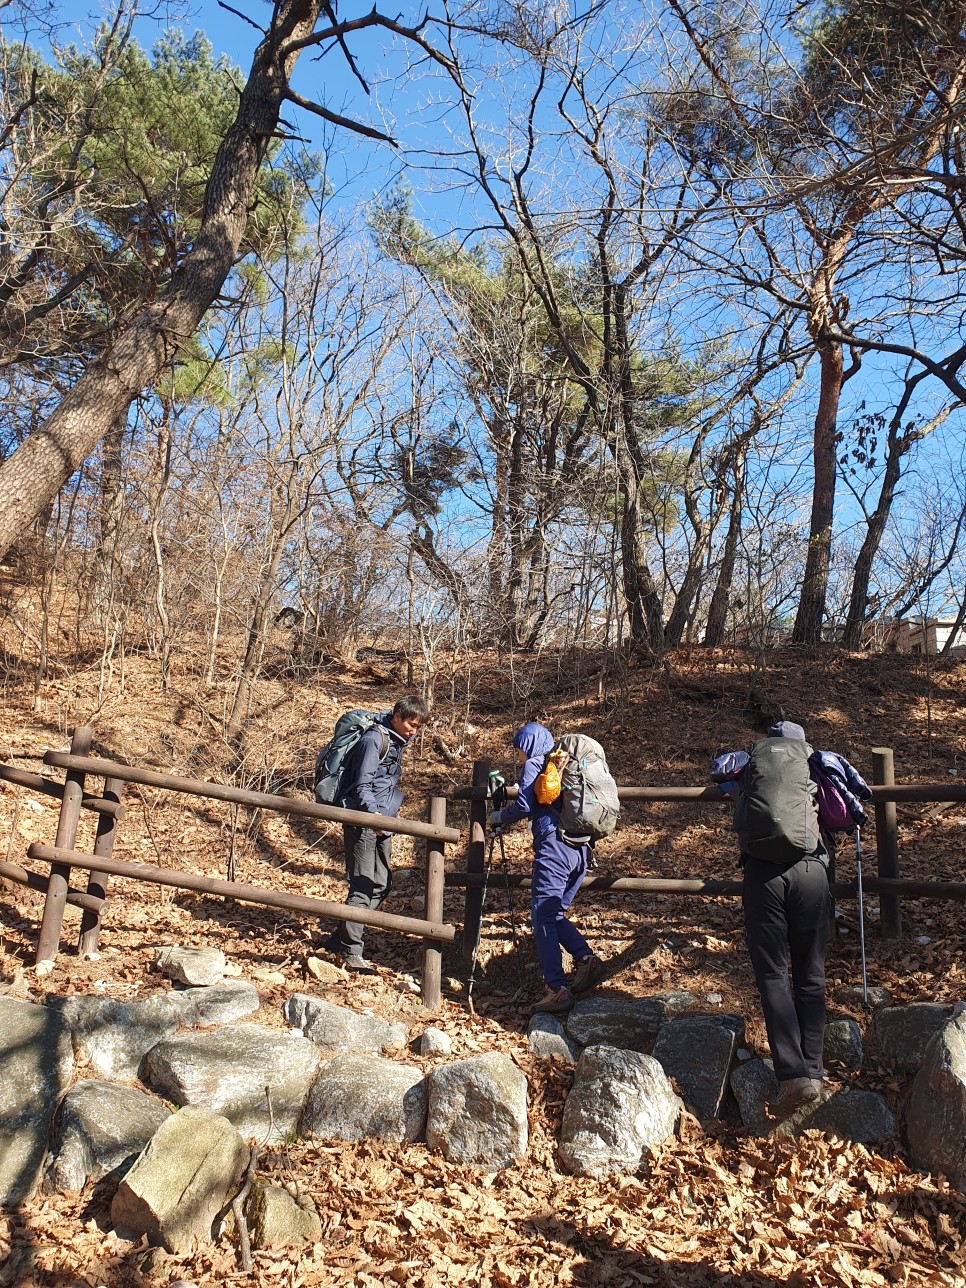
(559, 867)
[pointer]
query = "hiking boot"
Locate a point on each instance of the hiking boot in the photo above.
(355, 962)
(793, 1093)
(554, 1002)
(587, 974)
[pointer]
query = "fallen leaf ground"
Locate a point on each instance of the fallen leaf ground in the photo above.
(713, 1206)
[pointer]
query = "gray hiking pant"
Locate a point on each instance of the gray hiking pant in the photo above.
(370, 879)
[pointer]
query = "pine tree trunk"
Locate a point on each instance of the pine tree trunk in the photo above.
(811, 605)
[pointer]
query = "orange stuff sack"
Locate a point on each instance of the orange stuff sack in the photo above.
(549, 781)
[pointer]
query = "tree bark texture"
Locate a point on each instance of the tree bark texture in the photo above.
(811, 605)
(35, 472)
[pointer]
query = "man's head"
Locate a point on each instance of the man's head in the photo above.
(409, 715)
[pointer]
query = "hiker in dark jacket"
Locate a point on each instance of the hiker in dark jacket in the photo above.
(370, 782)
(559, 867)
(786, 905)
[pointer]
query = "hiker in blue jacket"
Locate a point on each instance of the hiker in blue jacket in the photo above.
(786, 904)
(559, 867)
(370, 782)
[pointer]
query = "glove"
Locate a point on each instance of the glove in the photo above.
(495, 821)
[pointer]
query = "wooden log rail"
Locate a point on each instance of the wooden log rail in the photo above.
(713, 887)
(48, 787)
(244, 893)
(254, 800)
(35, 881)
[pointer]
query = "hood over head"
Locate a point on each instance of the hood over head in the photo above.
(533, 739)
(786, 729)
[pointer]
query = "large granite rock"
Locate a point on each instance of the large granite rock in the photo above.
(114, 1036)
(754, 1084)
(232, 999)
(859, 1116)
(902, 1033)
(101, 1127)
(630, 1023)
(698, 1052)
(36, 1064)
(477, 1111)
(356, 1096)
(182, 1182)
(336, 1030)
(228, 1070)
(936, 1118)
(621, 1104)
(548, 1039)
(843, 1044)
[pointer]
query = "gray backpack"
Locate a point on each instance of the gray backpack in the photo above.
(776, 814)
(588, 795)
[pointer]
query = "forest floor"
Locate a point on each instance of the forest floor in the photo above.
(714, 1206)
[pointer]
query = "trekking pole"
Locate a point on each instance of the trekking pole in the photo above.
(476, 950)
(858, 870)
(509, 895)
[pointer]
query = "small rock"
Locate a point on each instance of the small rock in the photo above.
(549, 1040)
(338, 1031)
(714, 998)
(232, 970)
(192, 966)
(754, 1084)
(323, 971)
(435, 1042)
(277, 1220)
(265, 975)
(875, 996)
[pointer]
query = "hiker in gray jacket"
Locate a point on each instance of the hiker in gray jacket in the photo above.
(370, 782)
(786, 903)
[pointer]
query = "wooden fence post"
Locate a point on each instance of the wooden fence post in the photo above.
(97, 882)
(475, 862)
(70, 808)
(886, 842)
(432, 982)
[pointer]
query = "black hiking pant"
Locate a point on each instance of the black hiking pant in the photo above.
(786, 916)
(370, 879)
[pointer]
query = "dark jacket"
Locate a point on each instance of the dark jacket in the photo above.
(373, 768)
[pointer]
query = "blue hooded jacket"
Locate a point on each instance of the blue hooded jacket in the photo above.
(534, 740)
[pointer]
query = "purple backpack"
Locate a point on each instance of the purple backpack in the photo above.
(833, 813)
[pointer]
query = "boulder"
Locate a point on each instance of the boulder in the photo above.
(477, 1111)
(936, 1117)
(859, 1116)
(113, 1036)
(228, 1069)
(223, 1003)
(698, 1052)
(36, 1065)
(191, 966)
(621, 1104)
(277, 1220)
(182, 1181)
(548, 1039)
(336, 1030)
(630, 1023)
(101, 1127)
(754, 1084)
(843, 1044)
(902, 1033)
(874, 997)
(358, 1096)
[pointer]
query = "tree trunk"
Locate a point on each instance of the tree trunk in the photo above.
(714, 631)
(811, 605)
(859, 598)
(35, 472)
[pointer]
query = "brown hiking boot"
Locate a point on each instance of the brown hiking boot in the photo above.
(587, 974)
(793, 1093)
(554, 1002)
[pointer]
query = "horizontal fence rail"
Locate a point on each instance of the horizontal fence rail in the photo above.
(908, 792)
(244, 893)
(35, 881)
(48, 787)
(255, 800)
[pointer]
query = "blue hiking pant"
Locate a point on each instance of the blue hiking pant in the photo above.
(558, 870)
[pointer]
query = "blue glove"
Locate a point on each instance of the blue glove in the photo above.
(495, 821)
